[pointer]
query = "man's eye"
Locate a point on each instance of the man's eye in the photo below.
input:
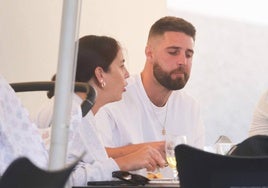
(189, 54)
(174, 52)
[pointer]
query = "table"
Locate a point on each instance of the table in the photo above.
(150, 185)
(132, 186)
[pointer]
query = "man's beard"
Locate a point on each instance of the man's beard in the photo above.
(166, 80)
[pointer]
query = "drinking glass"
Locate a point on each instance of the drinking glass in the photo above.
(223, 148)
(171, 142)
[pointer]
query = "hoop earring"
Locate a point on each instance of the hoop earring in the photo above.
(103, 84)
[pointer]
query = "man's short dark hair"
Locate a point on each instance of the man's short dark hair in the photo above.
(171, 23)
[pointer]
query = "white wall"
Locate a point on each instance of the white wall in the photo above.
(229, 71)
(29, 35)
(128, 21)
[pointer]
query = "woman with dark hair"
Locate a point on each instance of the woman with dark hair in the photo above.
(94, 59)
(100, 63)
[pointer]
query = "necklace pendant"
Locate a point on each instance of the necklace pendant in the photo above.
(163, 131)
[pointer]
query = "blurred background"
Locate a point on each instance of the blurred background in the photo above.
(229, 68)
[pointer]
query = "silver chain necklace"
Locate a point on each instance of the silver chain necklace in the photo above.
(158, 111)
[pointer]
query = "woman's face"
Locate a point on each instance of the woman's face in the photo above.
(116, 78)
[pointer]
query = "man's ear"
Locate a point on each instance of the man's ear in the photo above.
(148, 52)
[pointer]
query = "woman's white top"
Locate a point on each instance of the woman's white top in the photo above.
(95, 165)
(83, 138)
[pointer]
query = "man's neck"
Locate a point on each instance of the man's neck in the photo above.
(157, 93)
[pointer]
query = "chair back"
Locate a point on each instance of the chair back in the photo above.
(252, 146)
(22, 173)
(198, 168)
(50, 85)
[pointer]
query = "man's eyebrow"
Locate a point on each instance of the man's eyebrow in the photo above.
(173, 48)
(177, 48)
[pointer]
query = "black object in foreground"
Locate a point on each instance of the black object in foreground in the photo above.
(22, 173)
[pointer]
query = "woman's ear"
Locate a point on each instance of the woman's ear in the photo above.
(99, 74)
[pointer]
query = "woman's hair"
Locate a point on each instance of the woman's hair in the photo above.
(94, 51)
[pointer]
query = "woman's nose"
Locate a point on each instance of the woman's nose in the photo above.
(126, 73)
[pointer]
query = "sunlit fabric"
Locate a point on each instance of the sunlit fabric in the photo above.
(18, 135)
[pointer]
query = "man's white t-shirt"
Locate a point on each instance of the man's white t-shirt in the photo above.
(134, 119)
